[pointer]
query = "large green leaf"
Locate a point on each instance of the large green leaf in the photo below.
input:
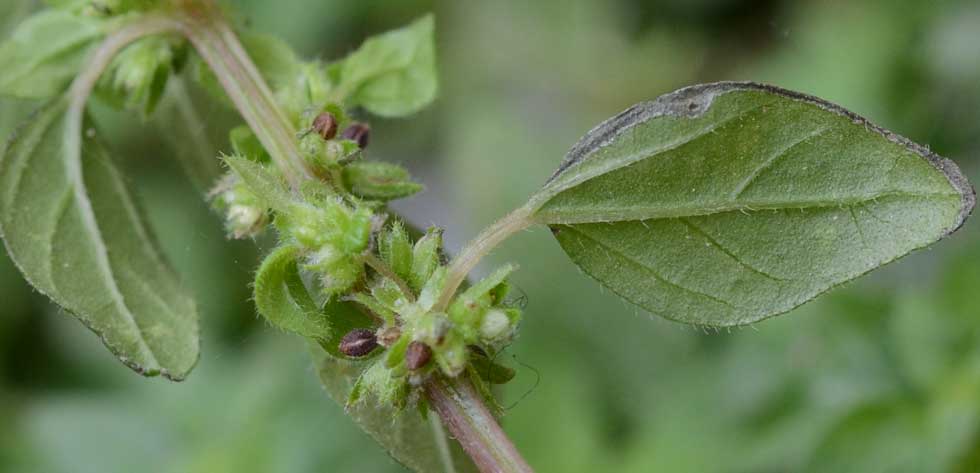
(416, 442)
(724, 204)
(45, 52)
(73, 229)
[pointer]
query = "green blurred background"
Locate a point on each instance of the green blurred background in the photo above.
(880, 375)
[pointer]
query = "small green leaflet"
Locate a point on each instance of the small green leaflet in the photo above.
(45, 52)
(379, 180)
(723, 204)
(416, 442)
(73, 229)
(392, 74)
(271, 189)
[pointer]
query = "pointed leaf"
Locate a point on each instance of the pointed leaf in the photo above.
(72, 227)
(268, 186)
(380, 181)
(727, 203)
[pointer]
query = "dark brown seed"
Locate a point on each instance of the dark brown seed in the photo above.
(358, 343)
(418, 355)
(325, 125)
(359, 133)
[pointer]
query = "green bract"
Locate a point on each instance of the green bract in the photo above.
(727, 203)
(75, 232)
(379, 181)
(282, 298)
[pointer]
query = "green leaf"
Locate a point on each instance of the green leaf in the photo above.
(417, 443)
(490, 371)
(73, 229)
(45, 52)
(379, 181)
(276, 60)
(284, 300)
(727, 203)
(393, 74)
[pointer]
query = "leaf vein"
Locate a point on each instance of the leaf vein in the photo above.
(728, 252)
(771, 160)
(651, 271)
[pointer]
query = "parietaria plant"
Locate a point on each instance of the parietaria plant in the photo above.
(715, 205)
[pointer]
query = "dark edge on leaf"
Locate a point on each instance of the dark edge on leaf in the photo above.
(693, 101)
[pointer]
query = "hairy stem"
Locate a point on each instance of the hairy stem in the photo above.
(479, 248)
(457, 403)
(469, 421)
(247, 89)
(81, 87)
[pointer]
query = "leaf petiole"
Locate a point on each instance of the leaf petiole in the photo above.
(479, 248)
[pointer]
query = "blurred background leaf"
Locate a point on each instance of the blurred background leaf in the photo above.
(882, 373)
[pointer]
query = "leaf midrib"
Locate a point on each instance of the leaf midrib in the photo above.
(72, 147)
(579, 214)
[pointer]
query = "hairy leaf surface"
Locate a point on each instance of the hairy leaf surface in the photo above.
(73, 229)
(724, 204)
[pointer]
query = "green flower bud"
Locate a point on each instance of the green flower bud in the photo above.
(495, 326)
(138, 75)
(244, 216)
(330, 222)
(338, 271)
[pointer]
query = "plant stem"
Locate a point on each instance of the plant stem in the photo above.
(469, 421)
(479, 248)
(81, 87)
(457, 403)
(247, 89)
